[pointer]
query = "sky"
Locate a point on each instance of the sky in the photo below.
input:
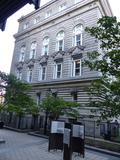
(7, 40)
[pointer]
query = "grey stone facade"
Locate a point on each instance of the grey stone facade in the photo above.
(48, 21)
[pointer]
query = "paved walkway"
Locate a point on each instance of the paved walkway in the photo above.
(20, 146)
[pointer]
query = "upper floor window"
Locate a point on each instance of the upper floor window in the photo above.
(25, 26)
(57, 71)
(45, 46)
(37, 19)
(29, 74)
(33, 50)
(62, 7)
(77, 35)
(42, 73)
(48, 13)
(60, 41)
(76, 68)
(19, 74)
(22, 54)
(76, 1)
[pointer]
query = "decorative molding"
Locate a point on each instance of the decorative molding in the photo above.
(19, 65)
(30, 62)
(58, 56)
(43, 60)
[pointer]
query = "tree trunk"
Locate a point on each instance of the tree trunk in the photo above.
(34, 124)
(45, 124)
(19, 121)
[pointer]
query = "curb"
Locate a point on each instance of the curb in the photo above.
(116, 154)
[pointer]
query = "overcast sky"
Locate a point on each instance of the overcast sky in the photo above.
(7, 40)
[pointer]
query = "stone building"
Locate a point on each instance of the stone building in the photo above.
(51, 45)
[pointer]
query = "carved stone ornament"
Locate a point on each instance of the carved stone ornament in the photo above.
(58, 56)
(19, 65)
(43, 60)
(30, 63)
(76, 52)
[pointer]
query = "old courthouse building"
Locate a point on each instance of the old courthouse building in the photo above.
(51, 45)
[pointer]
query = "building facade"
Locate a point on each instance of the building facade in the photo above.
(51, 45)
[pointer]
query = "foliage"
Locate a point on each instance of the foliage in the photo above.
(106, 61)
(16, 98)
(56, 106)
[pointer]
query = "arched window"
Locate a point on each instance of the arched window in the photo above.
(29, 74)
(78, 35)
(60, 41)
(33, 50)
(22, 54)
(45, 50)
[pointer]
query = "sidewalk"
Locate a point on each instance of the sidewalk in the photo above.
(20, 146)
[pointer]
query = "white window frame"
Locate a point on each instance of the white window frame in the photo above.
(77, 31)
(45, 43)
(19, 74)
(36, 20)
(22, 54)
(55, 71)
(33, 50)
(73, 68)
(62, 7)
(48, 13)
(29, 75)
(40, 77)
(26, 25)
(60, 37)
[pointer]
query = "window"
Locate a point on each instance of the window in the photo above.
(75, 96)
(42, 73)
(33, 50)
(57, 71)
(22, 54)
(25, 26)
(76, 68)
(48, 13)
(29, 75)
(38, 98)
(60, 41)
(76, 1)
(45, 46)
(62, 7)
(77, 37)
(37, 19)
(19, 74)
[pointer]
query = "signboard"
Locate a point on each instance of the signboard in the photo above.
(78, 131)
(57, 127)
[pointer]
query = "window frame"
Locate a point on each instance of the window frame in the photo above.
(59, 38)
(30, 75)
(45, 43)
(22, 54)
(33, 50)
(73, 68)
(55, 71)
(40, 77)
(78, 32)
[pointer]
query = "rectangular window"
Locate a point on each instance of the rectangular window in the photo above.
(32, 54)
(25, 26)
(42, 73)
(19, 75)
(62, 7)
(61, 45)
(76, 68)
(48, 14)
(57, 71)
(29, 75)
(75, 97)
(22, 56)
(45, 50)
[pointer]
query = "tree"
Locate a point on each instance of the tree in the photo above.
(106, 61)
(56, 106)
(16, 96)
